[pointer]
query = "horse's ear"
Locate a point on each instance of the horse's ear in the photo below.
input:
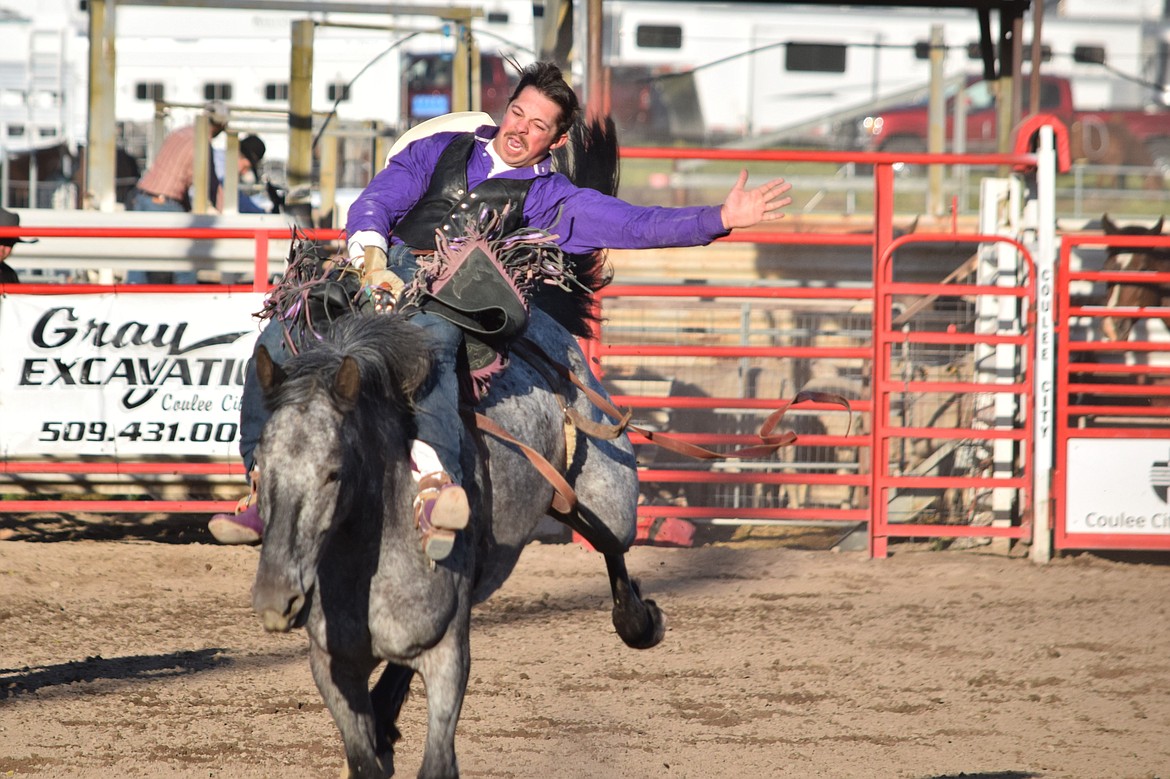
(1107, 225)
(268, 372)
(1157, 228)
(347, 383)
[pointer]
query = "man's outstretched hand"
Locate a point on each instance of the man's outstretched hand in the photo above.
(746, 207)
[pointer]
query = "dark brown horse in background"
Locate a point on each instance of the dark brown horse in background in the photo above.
(53, 167)
(1135, 294)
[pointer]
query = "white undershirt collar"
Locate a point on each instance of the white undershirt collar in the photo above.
(498, 164)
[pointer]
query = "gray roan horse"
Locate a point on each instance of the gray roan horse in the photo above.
(1136, 294)
(342, 557)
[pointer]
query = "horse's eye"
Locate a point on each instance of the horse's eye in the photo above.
(332, 476)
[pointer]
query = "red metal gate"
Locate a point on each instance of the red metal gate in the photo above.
(953, 402)
(1113, 407)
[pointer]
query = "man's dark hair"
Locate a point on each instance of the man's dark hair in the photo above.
(252, 149)
(547, 79)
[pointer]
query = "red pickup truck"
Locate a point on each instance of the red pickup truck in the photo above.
(1107, 137)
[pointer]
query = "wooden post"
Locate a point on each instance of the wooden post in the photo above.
(199, 185)
(231, 173)
(300, 113)
(100, 156)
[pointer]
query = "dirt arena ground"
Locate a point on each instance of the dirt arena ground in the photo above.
(131, 652)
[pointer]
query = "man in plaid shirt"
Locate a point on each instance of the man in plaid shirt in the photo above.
(164, 187)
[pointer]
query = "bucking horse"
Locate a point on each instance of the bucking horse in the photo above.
(341, 555)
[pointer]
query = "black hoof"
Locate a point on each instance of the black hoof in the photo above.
(640, 623)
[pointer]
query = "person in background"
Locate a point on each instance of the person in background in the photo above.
(507, 169)
(248, 163)
(252, 150)
(165, 186)
(7, 272)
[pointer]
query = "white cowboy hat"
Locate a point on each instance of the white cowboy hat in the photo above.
(458, 121)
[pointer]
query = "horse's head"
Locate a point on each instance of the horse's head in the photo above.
(334, 451)
(1121, 294)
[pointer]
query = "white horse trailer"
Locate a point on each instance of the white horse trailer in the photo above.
(761, 69)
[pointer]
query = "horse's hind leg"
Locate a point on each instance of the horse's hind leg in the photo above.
(387, 697)
(639, 622)
(605, 477)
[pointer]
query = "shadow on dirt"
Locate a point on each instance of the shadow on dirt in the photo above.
(991, 775)
(159, 528)
(22, 681)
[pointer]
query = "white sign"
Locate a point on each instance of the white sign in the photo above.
(129, 374)
(1118, 486)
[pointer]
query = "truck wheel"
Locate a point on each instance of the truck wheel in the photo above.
(1159, 151)
(906, 144)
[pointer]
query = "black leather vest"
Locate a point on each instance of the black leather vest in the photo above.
(448, 206)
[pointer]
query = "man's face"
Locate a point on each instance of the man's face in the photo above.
(528, 130)
(5, 250)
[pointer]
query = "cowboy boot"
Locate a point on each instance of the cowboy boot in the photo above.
(440, 509)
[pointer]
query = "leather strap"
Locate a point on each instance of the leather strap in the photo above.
(564, 497)
(770, 441)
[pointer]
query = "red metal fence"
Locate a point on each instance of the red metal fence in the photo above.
(135, 476)
(709, 362)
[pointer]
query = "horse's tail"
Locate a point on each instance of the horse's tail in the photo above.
(590, 160)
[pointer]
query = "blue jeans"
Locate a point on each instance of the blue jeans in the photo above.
(437, 406)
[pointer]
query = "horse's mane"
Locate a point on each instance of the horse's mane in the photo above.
(590, 160)
(393, 358)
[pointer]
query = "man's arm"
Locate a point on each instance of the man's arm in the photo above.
(391, 194)
(584, 220)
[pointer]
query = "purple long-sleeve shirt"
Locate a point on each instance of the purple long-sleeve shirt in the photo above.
(582, 219)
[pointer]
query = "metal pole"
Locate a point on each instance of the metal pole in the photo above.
(231, 173)
(461, 87)
(1037, 56)
(476, 71)
(300, 112)
(328, 178)
(100, 156)
(937, 120)
(159, 130)
(4, 177)
(556, 33)
(595, 79)
(1045, 410)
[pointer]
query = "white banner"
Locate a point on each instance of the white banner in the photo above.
(1118, 485)
(127, 375)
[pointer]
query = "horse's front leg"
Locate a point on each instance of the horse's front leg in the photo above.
(345, 690)
(445, 669)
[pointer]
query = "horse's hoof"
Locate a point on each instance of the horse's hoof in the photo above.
(641, 627)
